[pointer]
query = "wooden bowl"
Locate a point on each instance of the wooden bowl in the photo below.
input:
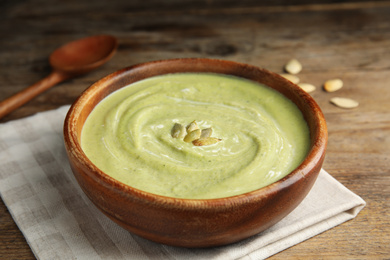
(192, 222)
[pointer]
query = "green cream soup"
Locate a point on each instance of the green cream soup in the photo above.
(263, 135)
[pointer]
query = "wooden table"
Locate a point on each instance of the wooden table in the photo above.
(349, 40)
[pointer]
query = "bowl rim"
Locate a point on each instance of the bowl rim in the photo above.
(314, 157)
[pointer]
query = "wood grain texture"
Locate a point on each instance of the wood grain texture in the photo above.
(332, 39)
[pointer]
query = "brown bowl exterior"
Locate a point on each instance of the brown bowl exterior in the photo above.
(190, 222)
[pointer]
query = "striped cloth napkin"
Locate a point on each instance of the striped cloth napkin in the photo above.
(59, 222)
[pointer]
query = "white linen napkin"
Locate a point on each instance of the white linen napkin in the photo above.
(59, 222)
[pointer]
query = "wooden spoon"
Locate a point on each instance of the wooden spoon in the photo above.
(72, 59)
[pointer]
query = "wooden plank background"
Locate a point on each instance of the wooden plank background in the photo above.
(332, 39)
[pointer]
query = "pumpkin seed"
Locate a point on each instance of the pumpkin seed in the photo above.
(333, 85)
(192, 126)
(344, 102)
(206, 132)
(307, 87)
(293, 66)
(178, 131)
(193, 135)
(294, 79)
(206, 141)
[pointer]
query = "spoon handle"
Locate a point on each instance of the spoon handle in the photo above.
(10, 104)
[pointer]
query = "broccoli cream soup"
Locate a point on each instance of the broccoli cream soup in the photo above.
(196, 136)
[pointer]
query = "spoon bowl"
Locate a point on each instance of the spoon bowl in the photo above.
(70, 60)
(84, 55)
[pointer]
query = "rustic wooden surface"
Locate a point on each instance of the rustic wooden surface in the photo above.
(332, 39)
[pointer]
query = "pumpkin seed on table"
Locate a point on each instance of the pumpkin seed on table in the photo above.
(293, 78)
(344, 102)
(333, 85)
(293, 66)
(307, 87)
